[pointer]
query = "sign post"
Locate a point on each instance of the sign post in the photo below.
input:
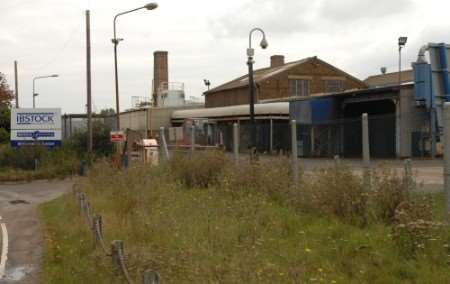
(117, 136)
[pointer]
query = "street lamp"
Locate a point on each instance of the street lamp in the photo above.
(34, 85)
(115, 41)
(401, 43)
(250, 54)
(207, 83)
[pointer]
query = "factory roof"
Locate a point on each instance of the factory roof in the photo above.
(269, 109)
(389, 79)
(266, 73)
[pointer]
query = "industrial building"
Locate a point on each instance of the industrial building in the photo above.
(405, 110)
(281, 80)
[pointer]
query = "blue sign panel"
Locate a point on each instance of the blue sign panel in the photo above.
(46, 143)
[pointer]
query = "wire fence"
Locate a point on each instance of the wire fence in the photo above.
(116, 252)
(391, 135)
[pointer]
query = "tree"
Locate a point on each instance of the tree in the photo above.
(107, 112)
(102, 144)
(6, 94)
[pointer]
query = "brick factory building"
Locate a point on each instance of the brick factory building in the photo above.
(282, 80)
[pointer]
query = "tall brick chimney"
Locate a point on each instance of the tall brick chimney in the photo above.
(276, 60)
(160, 72)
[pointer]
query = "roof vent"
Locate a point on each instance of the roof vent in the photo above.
(276, 60)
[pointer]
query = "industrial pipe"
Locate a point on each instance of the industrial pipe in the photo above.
(444, 70)
(421, 56)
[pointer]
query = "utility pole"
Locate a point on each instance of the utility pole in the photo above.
(88, 82)
(16, 84)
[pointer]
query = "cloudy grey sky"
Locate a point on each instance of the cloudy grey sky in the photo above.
(205, 39)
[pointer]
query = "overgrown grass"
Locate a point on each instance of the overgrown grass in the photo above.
(202, 220)
(28, 163)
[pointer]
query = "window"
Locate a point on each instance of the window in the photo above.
(334, 86)
(299, 87)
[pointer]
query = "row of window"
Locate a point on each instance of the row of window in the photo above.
(301, 88)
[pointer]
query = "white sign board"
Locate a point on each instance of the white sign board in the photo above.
(35, 125)
(117, 136)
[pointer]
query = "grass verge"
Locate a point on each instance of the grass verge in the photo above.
(203, 226)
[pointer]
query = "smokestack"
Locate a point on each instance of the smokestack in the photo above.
(160, 73)
(276, 60)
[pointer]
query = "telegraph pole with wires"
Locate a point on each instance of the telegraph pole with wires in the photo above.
(88, 84)
(16, 84)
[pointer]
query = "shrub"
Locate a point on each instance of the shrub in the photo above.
(4, 136)
(271, 178)
(414, 227)
(22, 158)
(46, 163)
(102, 145)
(202, 170)
(338, 192)
(387, 193)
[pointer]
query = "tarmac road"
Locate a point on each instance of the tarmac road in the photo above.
(18, 213)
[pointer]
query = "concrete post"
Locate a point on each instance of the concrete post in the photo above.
(446, 125)
(116, 249)
(295, 167)
(163, 145)
(192, 139)
(236, 143)
(337, 161)
(97, 224)
(82, 201)
(151, 277)
(366, 150)
(408, 173)
(271, 137)
(365, 140)
(313, 144)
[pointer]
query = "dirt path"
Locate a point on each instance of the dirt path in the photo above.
(18, 211)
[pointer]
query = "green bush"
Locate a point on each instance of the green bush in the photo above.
(338, 192)
(202, 170)
(414, 229)
(4, 136)
(102, 145)
(388, 192)
(23, 158)
(40, 161)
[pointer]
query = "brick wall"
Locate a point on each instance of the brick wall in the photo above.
(278, 86)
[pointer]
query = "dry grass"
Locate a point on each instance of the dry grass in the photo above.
(202, 220)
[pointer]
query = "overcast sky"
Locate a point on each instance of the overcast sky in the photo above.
(205, 39)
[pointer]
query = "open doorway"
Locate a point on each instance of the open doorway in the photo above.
(382, 121)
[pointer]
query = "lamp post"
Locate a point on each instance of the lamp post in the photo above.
(34, 85)
(251, 84)
(401, 43)
(115, 41)
(207, 83)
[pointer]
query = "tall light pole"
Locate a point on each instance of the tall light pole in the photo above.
(251, 84)
(115, 41)
(34, 85)
(401, 43)
(207, 83)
